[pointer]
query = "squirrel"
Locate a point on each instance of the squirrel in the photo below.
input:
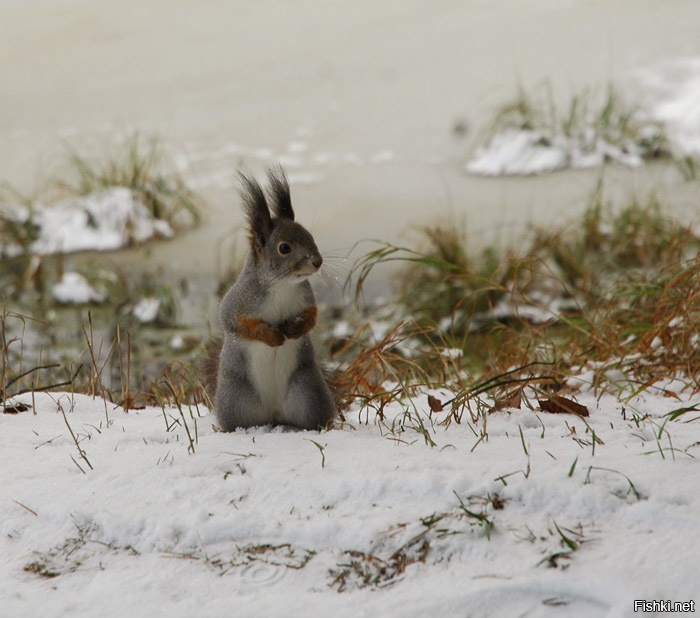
(264, 370)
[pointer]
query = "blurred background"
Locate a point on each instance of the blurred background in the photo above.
(375, 109)
(359, 100)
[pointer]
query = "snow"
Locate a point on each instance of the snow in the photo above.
(73, 288)
(162, 515)
(102, 221)
(517, 152)
(529, 152)
(147, 309)
(675, 86)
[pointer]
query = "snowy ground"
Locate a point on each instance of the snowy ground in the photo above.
(549, 515)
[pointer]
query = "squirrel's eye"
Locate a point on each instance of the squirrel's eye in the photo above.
(284, 248)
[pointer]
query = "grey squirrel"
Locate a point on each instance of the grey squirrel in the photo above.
(264, 370)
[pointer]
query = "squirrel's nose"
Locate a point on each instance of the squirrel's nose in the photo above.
(317, 260)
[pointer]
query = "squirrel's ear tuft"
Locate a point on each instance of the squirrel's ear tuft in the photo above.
(281, 201)
(256, 211)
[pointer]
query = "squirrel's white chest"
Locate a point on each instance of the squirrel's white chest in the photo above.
(270, 370)
(284, 301)
(271, 367)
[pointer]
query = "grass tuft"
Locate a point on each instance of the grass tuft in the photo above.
(617, 292)
(140, 165)
(591, 117)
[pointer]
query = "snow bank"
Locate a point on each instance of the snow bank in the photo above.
(675, 87)
(102, 221)
(526, 152)
(521, 513)
(673, 100)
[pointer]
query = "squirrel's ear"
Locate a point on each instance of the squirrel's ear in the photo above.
(256, 211)
(281, 201)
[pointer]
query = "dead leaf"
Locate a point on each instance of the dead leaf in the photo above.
(435, 404)
(562, 405)
(14, 407)
(513, 399)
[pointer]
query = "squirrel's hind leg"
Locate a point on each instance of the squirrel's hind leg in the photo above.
(237, 403)
(308, 403)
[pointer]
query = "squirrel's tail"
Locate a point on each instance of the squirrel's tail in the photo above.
(209, 368)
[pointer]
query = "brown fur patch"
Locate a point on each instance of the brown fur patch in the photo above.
(300, 325)
(255, 329)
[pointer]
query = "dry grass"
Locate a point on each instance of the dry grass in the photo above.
(141, 165)
(618, 292)
(103, 367)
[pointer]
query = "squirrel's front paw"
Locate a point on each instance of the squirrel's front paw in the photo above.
(299, 325)
(255, 329)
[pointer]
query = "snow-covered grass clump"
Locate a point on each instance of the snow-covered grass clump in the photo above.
(526, 152)
(125, 197)
(531, 136)
(103, 221)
